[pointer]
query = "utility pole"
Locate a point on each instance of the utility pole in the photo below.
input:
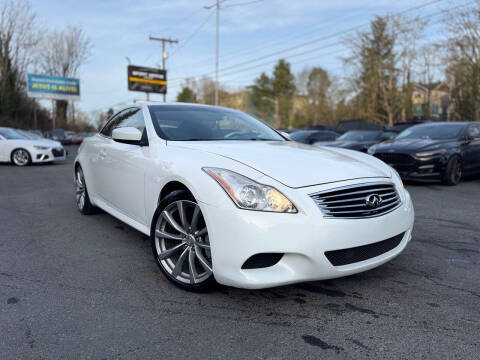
(164, 55)
(217, 43)
(216, 52)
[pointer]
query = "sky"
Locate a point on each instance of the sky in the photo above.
(254, 34)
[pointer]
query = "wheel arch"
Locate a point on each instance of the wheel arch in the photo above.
(20, 148)
(170, 187)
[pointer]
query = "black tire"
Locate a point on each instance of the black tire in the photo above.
(81, 193)
(168, 264)
(453, 171)
(20, 157)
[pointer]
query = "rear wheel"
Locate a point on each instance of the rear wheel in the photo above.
(81, 193)
(453, 171)
(180, 242)
(21, 157)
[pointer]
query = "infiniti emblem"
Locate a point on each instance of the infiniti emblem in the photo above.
(373, 201)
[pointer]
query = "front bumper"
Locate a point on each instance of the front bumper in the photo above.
(48, 155)
(413, 168)
(303, 238)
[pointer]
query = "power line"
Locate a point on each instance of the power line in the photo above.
(193, 34)
(264, 46)
(317, 40)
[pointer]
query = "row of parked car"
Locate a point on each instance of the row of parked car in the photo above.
(445, 151)
(66, 137)
(23, 147)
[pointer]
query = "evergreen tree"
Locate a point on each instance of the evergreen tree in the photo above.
(187, 95)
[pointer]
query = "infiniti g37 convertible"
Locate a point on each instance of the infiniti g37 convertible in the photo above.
(225, 198)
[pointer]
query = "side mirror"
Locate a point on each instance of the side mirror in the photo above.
(127, 135)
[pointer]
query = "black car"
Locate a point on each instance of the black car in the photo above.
(434, 151)
(59, 135)
(361, 140)
(313, 136)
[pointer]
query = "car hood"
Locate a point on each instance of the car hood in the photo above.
(410, 145)
(294, 164)
(349, 144)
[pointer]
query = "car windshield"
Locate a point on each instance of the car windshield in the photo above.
(360, 135)
(11, 134)
(432, 131)
(29, 135)
(196, 123)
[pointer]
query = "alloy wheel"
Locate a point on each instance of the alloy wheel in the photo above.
(456, 171)
(80, 189)
(21, 157)
(182, 244)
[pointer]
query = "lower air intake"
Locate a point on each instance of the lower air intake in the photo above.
(262, 260)
(361, 253)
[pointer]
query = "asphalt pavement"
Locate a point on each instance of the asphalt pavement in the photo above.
(87, 287)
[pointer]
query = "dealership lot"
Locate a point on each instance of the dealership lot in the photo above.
(88, 286)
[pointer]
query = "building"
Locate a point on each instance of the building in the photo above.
(439, 96)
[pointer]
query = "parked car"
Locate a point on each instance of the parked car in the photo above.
(224, 197)
(22, 150)
(69, 135)
(58, 135)
(443, 151)
(313, 136)
(361, 140)
(77, 139)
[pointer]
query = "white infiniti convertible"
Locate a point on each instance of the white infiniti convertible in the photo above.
(226, 198)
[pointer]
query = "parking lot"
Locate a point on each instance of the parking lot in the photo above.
(75, 286)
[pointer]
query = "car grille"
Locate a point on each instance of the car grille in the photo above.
(351, 201)
(396, 160)
(58, 152)
(364, 252)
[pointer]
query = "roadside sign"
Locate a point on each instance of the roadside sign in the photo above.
(53, 87)
(149, 80)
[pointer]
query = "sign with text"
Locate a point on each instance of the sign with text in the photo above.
(149, 80)
(53, 87)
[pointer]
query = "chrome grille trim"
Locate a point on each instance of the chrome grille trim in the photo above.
(348, 202)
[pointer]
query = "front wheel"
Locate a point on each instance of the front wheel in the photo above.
(21, 157)
(81, 193)
(453, 171)
(180, 242)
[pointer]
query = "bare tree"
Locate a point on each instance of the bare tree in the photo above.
(18, 38)
(408, 32)
(61, 54)
(463, 60)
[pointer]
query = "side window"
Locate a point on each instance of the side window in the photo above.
(474, 131)
(129, 117)
(132, 117)
(107, 129)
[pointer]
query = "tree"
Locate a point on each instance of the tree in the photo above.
(463, 61)
(18, 38)
(283, 89)
(261, 96)
(374, 63)
(187, 95)
(61, 53)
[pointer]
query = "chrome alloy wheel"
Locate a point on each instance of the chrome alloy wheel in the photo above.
(182, 244)
(20, 157)
(80, 189)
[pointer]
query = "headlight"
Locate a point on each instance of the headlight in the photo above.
(248, 194)
(431, 153)
(371, 150)
(37, 147)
